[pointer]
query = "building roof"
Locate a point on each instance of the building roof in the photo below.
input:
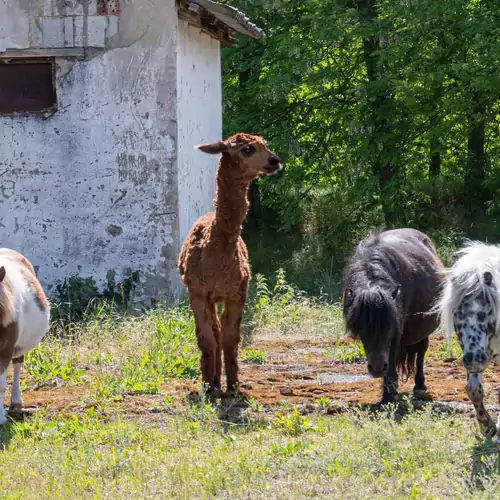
(219, 20)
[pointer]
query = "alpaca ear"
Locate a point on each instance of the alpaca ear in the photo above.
(488, 278)
(214, 148)
(2, 273)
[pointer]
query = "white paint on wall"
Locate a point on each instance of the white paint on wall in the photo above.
(92, 190)
(14, 26)
(199, 117)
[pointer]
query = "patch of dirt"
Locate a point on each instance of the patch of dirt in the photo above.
(302, 372)
(297, 371)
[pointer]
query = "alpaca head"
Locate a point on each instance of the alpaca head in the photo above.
(248, 153)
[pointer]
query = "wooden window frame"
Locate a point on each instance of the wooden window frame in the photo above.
(31, 110)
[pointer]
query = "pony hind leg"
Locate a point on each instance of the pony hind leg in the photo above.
(203, 311)
(421, 348)
(231, 322)
(16, 400)
(475, 392)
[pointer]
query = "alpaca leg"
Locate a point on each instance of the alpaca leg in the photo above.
(231, 321)
(419, 376)
(16, 400)
(206, 341)
(216, 327)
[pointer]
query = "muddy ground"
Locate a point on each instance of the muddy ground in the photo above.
(297, 371)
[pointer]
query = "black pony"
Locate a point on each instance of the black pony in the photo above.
(389, 286)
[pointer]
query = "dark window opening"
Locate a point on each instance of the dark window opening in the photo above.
(27, 85)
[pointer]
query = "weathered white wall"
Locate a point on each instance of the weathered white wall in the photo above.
(199, 117)
(92, 190)
(58, 23)
(14, 25)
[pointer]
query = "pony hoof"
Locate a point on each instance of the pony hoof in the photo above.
(490, 430)
(15, 407)
(420, 393)
(420, 389)
(391, 398)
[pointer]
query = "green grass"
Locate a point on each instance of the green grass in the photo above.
(132, 433)
(347, 353)
(194, 455)
(253, 356)
(51, 363)
(449, 349)
(285, 310)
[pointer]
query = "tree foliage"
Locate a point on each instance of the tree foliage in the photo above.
(382, 106)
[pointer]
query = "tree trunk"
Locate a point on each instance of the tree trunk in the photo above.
(434, 147)
(475, 173)
(435, 164)
(435, 142)
(382, 110)
(254, 211)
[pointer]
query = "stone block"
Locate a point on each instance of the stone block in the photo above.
(92, 33)
(111, 27)
(35, 32)
(96, 35)
(77, 8)
(78, 31)
(47, 8)
(53, 32)
(69, 32)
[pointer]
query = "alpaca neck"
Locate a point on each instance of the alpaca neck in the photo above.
(231, 203)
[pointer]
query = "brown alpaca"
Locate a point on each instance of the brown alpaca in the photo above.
(214, 261)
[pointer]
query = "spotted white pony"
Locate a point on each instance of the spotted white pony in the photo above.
(470, 306)
(24, 320)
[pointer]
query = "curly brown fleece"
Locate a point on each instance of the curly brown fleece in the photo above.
(213, 262)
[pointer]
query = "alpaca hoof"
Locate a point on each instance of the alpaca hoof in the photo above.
(213, 393)
(235, 394)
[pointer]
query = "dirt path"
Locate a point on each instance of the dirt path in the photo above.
(300, 372)
(297, 371)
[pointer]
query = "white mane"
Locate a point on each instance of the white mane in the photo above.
(467, 277)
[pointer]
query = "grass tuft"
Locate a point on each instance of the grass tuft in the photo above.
(255, 356)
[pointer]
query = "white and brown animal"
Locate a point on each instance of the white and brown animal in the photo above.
(24, 320)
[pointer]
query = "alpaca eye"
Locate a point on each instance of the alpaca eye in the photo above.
(248, 150)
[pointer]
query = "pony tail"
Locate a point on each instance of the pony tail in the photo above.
(406, 361)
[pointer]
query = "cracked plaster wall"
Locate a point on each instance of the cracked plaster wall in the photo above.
(92, 190)
(199, 116)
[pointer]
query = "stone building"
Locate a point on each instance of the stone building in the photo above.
(101, 104)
